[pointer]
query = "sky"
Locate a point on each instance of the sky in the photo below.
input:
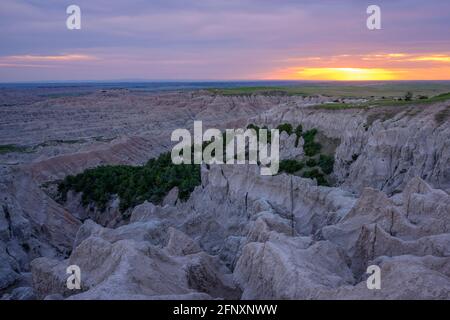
(224, 40)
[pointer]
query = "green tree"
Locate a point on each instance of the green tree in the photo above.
(286, 127)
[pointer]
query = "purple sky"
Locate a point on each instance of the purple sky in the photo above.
(219, 39)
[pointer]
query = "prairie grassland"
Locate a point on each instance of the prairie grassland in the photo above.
(342, 90)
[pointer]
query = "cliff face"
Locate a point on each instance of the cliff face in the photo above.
(62, 136)
(391, 153)
(240, 234)
(283, 238)
(381, 148)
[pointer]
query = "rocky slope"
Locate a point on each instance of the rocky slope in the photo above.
(240, 234)
(381, 147)
(316, 244)
(65, 135)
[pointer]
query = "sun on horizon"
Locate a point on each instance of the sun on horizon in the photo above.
(367, 67)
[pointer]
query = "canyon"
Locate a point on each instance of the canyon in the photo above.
(239, 235)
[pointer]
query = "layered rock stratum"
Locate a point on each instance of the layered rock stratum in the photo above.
(240, 235)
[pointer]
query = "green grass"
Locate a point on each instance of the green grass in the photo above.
(379, 94)
(266, 91)
(59, 141)
(385, 103)
(9, 148)
(387, 90)
(379, 90)
(339, 106)
(415, 101)
(412, 108)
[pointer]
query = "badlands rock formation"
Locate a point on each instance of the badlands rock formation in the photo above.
(240, 235)
(380, 147)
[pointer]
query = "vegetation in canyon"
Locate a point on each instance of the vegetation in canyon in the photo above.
(133, 184)
(316, 165)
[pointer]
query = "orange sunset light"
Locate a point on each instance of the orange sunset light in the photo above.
(346, 74)
(367, 67)
(363, 74)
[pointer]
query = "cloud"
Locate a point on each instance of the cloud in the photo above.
(434, 58)
(218, 39)
(21, 65)
(64, 57)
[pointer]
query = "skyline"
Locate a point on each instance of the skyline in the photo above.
(224, 40)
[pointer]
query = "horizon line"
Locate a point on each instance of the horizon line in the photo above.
(209, 80)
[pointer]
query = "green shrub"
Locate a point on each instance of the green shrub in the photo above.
(133, 184)
(256, 128)
(326, 163)
(298, 132)
(286, 127)
(311, 147)
(291, 166)
(253, 126)
(316, 174)
(311, 163)
(309, 135)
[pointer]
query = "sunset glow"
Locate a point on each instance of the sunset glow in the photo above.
(438, 58)
(366, 67)
(345, 74)
(226, 40)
